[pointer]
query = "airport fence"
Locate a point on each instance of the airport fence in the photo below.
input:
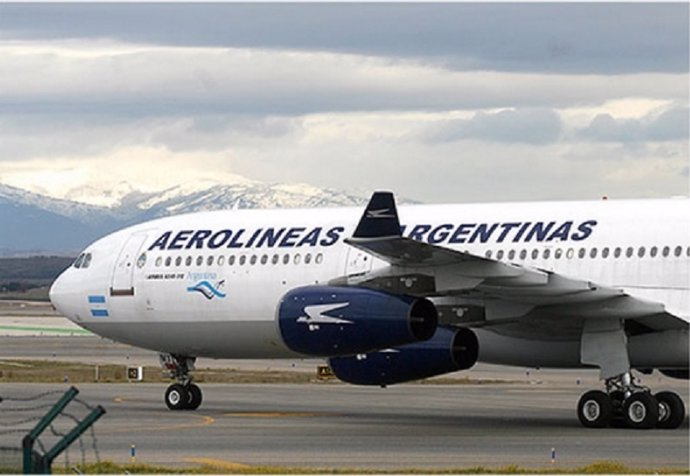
(36, 430)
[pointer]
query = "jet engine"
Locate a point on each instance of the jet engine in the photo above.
(447, 351)
(330, 321)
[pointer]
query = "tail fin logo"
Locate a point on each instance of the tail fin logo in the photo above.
(208, 290)
(382, 213)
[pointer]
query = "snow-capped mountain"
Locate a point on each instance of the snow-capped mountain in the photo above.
(33, 223)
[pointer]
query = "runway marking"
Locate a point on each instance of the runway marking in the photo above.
(55, 330)
(205, 421)
(217, 463)
(272, 414)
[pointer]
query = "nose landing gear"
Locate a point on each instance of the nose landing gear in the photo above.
(183, 395)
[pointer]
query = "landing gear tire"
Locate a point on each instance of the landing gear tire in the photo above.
(595, 409)
(641, 411)
(671, 410)
(177, 397)
(195, 397)
(617, 399)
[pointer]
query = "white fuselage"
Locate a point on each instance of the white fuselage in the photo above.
(208, 284)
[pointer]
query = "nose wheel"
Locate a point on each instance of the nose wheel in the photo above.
(183, 395)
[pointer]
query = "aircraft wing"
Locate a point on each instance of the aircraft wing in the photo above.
(511, 299)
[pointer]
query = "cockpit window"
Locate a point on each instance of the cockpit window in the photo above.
(83, 261)
(78, 261)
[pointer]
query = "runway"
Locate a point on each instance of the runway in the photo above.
(333, 425)
(340, 426)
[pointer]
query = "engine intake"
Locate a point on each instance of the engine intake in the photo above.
(447, 351)
(330, 321)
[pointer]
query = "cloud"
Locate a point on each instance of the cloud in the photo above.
(671, 125)
(531, 126)
(442, 102)
(581, 38)
(139, 80)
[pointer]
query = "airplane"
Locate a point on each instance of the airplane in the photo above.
(390, 296)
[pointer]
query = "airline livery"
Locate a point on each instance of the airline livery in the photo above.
(391, 296)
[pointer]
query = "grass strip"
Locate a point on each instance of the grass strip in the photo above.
(597, 467)
(48, 371)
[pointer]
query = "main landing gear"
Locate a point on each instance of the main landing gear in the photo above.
(627, 404)
(183, 395)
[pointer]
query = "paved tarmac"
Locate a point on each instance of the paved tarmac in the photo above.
(332, 425)
(341, 426)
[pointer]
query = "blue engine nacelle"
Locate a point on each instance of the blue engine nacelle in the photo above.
(447, 351)
(328, 321)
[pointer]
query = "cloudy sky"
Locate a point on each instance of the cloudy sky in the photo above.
(438, 102)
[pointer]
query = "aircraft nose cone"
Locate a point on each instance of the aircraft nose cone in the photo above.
(57, 291)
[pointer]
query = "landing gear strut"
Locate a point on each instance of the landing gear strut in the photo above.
(625, 403)
(183, 395)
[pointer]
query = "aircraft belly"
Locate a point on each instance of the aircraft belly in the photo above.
(213, 339)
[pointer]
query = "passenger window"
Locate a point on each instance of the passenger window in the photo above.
(159, 261)
(523, 254)
(286, 259)
(487, 254)
(264, 259)
(178, 261)
(199, 260)
(319, 258)
(617, 252)
(221, 260)
(275, 259)
(188, 261)
(547, 253)
(629, 252)
(168, 261)
(535, 253)
(687, 252)
(307, 258)
(499, 255)
(593, 253)
(641, 252)
(231, 260)
(297, 258)
(511, 255)
(209, 261)
(653, 251)
(678, 252)
(581, 253)
(605, 253)
(252, 260)
(243, 259)
(558, 253)
(666, 251)
(570, 253)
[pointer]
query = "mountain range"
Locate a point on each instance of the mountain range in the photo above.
(32, 223)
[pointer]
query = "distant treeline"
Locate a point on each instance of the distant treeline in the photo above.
(35, 269)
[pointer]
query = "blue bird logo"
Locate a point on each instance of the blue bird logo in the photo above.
(208, 290)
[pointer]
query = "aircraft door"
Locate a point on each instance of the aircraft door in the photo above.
(358, 262)
(123, 273)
